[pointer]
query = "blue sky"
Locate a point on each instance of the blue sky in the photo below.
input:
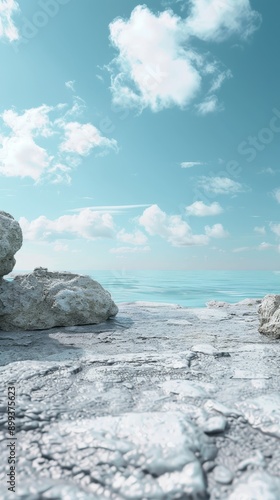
(141, 136)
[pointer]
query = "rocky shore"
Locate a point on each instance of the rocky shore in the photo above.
(159, 402)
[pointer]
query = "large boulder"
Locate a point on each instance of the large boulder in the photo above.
(43, 299)
(269, 316)
(10, 242)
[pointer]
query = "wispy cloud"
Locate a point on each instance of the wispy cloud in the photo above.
(200, 209)
(220, 185)
(111, 208)
(8, 29)
(70, 85)
(265, 246)
(260, 230)
(209, 105)
(276, 194)
(190, 164)
(130, 250)
(269, 171)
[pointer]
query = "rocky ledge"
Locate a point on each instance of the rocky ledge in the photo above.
(161, 402)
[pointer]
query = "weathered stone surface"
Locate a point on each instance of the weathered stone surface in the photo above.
(44, 299)
(269, 315)
(126, 410)
(10, 242)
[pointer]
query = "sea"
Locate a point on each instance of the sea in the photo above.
(187, 288)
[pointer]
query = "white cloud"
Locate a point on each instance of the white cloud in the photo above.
(8, 30)
(82, 138)
(220, 185)
(70, 85)
(275, 228)
(265, 246)
(216, 231)
(172, 228)
(33, 121)
(136, 238)
(190, 164)
(126, 250)
(260, 230)
(22, 157)
(112, 209)
(276, 194)
(157, 67)
(269, 171)
(200, 209)
(241, 249)
(87, 224)
(153, 68)
(216, 20)
(209, 105)
(219, 80)
(42, 143)
(61, 247)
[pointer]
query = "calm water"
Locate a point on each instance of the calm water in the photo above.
(187, 288)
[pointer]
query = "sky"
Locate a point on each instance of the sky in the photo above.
(141, 135)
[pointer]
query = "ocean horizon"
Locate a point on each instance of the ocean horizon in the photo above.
(186, 288)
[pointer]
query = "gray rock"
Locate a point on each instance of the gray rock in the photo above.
(269, 316)
(10, 242)
(44, 299)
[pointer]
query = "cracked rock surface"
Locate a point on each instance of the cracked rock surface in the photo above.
(161, 402)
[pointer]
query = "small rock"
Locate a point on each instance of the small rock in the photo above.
(215, 424)
(223, 475)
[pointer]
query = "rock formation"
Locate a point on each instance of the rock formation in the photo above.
(43, 299)
(10, 242)
(269, 316)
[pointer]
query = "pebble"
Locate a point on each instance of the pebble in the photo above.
(215, 424)
(223, 475)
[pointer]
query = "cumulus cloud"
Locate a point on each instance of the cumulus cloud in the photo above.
(8, 29)
(220, 185)
(45, 142)
(152, 68)
(216, 20)
(216, 231)
(135, 238)
(87, 224)
(158, 67)
(200, 209)
(260, 230)
(172, 228)
(82, 138)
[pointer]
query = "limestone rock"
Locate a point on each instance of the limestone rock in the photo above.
(44, 299)
(10, 242)
(269, 316)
